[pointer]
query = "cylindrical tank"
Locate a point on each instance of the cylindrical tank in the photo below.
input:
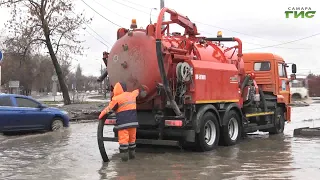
(133, 59)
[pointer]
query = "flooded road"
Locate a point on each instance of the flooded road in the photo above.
(73, 154)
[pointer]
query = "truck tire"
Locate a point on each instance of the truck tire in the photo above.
(278, 122)
(231, 132)
(209, 135)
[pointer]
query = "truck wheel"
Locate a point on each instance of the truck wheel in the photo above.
(208, 137)
(231, 132)
(278, 122)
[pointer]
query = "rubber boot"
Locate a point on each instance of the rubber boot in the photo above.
(132, 153)
(124, 154)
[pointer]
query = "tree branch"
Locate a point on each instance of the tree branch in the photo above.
(34, 4)
(10, 2)
(62, 34)
(30, 43)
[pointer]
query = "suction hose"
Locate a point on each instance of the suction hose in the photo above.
(161, 64)
(103, 76)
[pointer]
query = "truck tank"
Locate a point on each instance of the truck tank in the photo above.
(133, 58)
(197, 91)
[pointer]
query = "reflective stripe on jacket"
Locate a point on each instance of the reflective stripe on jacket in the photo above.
(124, 105)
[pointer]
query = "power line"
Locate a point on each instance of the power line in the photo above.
(110, 10)
(94, 32)
(260, 44)
(288, 42)
(197, 22)
(129, 6)
(216, 26)
(208, 25)
(96, 38)
(138, 4)
(100, 14)
(98, 35)
(144, 12)
(234, 31)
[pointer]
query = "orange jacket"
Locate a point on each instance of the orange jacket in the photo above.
(124, 105)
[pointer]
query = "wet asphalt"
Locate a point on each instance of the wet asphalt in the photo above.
(73, 154)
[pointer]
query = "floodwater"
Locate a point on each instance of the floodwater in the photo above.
(73, 154)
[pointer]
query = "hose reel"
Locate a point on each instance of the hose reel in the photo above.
(184, 72)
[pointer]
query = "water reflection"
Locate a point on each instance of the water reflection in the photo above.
(73, 154)
(21, 154)
(254, 158)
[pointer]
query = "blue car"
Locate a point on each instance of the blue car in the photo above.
(23, 113)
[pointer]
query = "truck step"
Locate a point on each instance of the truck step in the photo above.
(252, 127)
(147, 141)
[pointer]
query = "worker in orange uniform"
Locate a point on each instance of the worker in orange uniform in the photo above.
(123, 103)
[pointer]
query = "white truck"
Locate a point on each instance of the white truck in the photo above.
(299, 88)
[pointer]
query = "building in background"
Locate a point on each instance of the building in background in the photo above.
(314, 85)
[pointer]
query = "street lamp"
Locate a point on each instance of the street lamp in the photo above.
(150, 13)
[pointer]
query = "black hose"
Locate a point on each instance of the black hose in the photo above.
(263, 97)
(245, 82)
(103, 76)
(102, 149)
(165, 79)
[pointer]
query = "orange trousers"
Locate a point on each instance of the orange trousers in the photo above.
(127, 138)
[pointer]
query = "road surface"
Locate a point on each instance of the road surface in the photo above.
(73, 154)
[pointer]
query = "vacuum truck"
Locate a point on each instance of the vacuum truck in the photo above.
(199, 92)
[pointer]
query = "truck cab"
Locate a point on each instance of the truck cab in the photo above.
(270, 71)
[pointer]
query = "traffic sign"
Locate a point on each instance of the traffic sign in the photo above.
(1, 56)
(54, 78)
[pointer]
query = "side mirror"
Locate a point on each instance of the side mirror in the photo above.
(41, 106)
(294, 68)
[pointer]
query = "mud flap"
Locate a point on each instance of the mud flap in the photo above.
(288, 114)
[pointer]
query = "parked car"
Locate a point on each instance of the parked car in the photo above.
(23, 113)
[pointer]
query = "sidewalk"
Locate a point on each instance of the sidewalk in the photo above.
(80, 98)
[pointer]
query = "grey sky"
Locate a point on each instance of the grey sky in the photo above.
(263, 19)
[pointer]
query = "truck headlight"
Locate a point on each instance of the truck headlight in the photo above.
(65, 112)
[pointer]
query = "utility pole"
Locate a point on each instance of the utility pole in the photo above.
(101, 81)
(105, 88)
(162, 6)
(150, 14)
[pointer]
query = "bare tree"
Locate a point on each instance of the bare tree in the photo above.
(44, 71)
(14, 69)
(46, 22)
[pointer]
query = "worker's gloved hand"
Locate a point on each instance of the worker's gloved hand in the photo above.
(103, 115)
(143, 94)
(142, 91)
